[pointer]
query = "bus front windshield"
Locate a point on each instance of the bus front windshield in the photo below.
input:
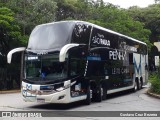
(44, 67)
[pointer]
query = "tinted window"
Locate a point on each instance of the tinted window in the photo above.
(77, 61)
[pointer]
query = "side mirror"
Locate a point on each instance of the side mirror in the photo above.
(64, 50)
(9, 55)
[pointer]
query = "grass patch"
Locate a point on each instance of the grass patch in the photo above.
(154, 79)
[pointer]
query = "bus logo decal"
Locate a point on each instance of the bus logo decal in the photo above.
(26, 92)
(138, 66)
(100, 40)
(117, 55)
(28, 86)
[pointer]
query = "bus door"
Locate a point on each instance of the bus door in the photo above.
(76, 68)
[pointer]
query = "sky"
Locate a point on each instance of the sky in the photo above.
(127, 3)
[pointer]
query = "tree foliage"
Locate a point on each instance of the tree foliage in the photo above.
(149, 16)
(72, 9)
(29, 13)
(9, 33)
(9, 30)
(114, 18)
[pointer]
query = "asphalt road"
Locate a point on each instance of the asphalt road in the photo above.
(124, 101)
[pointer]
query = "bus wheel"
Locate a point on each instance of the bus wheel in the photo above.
(99, 94)
(136, 85)
(104, 95)
(88, 99)
(140, 84)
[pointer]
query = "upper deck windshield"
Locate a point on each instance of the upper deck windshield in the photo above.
(50, 37)
(44, 67)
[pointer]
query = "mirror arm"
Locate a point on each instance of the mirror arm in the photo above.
(64, 50)
(9, 55)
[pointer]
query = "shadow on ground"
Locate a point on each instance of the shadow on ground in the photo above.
(52, 106)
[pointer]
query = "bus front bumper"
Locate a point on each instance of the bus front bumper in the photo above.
(33, 93)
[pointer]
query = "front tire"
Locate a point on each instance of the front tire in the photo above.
(87, 101)
(99, 93)
(140, 84)
(136, 86)
(104, 96)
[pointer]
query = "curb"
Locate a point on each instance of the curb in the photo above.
(9, 91)
(153, 94)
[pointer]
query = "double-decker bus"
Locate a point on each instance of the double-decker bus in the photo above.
(69, 61)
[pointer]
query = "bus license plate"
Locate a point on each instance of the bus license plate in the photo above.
(41, 100)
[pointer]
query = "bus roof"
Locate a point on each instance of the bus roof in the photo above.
(119, 34)
(53, 36)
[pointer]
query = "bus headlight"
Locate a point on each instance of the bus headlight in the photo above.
(63, 88)
(67, 85)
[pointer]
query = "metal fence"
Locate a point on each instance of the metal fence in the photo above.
(9, 79)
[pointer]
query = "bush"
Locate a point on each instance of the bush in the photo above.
(154, 79)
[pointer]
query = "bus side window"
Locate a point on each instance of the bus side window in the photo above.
(77, 61)
(77, 67)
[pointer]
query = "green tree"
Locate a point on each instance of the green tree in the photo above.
(9, 32)
(72, 9)
(44, 11)
(117, 19)
(150, 17)
(30, 13)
